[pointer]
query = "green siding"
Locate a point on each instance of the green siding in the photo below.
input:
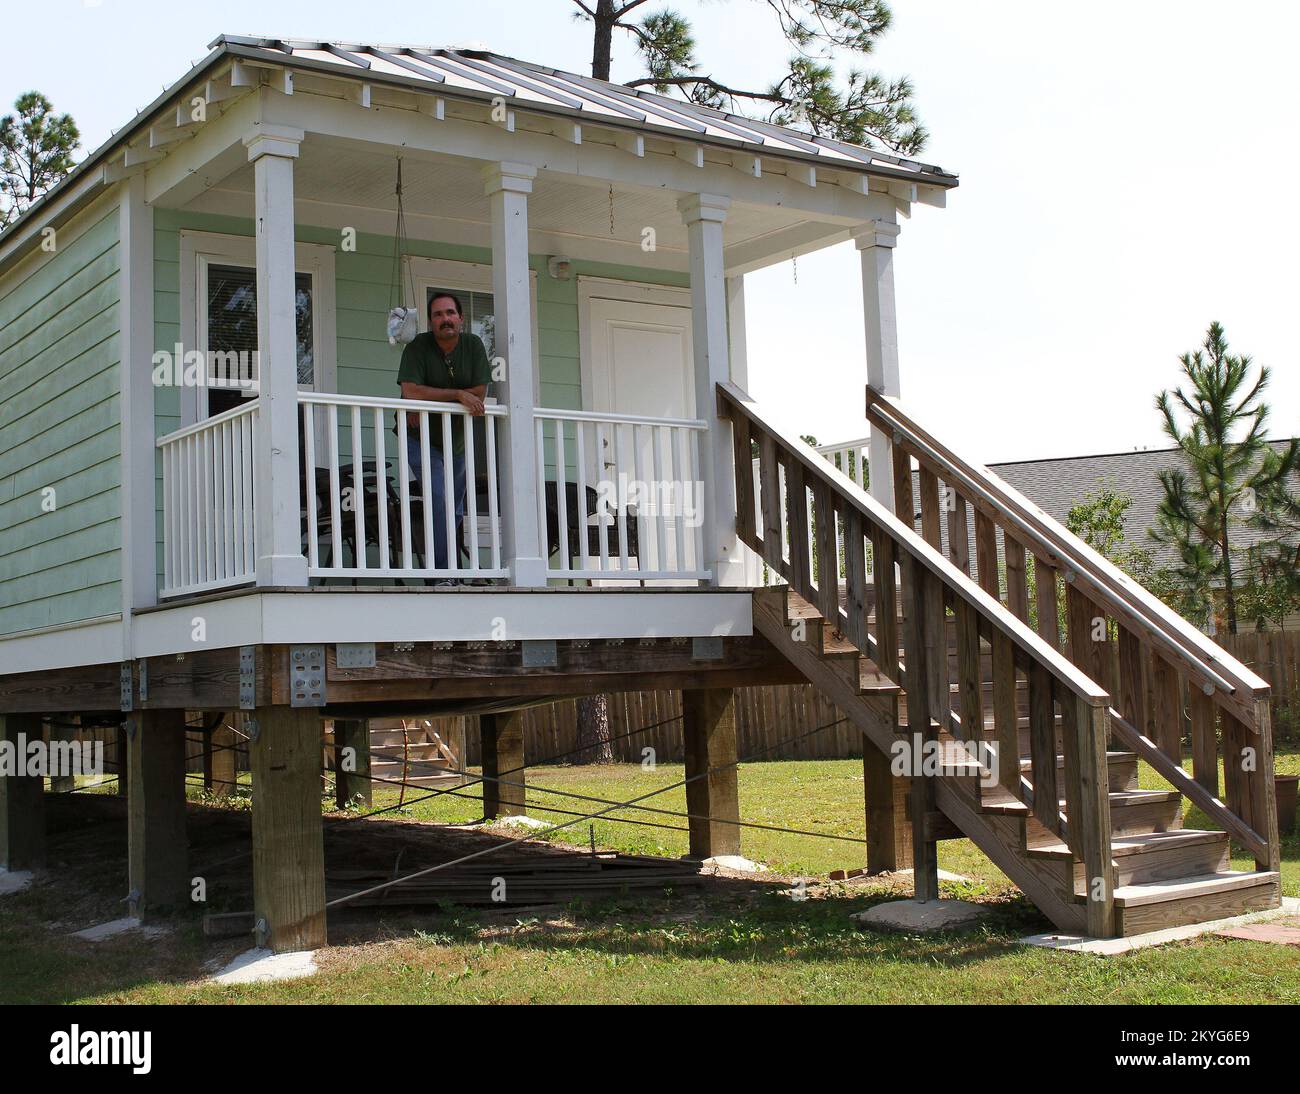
(60, 420)
(367, 364)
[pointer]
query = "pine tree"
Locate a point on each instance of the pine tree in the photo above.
(36, 148)
(1227, 480)
(864, 108)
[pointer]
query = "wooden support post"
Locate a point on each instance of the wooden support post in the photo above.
(157, 853)
(502, 750)
(22, 801)
(288, 847)
(889, 826)
(63, 730)
(208, 753)
(1090, 822)
(709, 732)
(121, 760)
(921, 648)
(225, 769)
(352, 762)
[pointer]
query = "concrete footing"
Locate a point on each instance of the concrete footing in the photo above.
(920, 916)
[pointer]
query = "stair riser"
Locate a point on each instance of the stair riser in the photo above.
(1125, 820)
(1178, 913)
(1159, 864)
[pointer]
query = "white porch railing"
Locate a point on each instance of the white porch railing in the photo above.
(208, 486)
(620, 496)
(362, 522)
(850, 457)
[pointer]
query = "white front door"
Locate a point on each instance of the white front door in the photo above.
(639, 363)
(641, 358)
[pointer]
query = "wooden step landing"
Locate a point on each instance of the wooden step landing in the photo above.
(1156, 905)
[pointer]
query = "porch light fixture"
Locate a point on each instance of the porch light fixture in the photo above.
(559, 267)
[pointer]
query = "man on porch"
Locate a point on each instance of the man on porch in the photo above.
(444, 364)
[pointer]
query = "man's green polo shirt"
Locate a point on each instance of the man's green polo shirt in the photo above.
(423, 362)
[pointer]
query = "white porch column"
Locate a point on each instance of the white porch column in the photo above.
(736, 331)
(703, 215)
(280, 561)
(875, 242)
(139, 535)
(507, 186)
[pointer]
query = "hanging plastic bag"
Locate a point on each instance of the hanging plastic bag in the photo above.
(403, 325)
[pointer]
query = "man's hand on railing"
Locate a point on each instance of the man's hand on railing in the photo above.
(470, 402)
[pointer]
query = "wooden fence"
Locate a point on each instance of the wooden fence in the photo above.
(1275, 655)
(772, 723)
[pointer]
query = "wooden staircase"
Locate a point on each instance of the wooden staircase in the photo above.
(1029, 755)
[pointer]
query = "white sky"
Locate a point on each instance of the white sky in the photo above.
(1125, 173)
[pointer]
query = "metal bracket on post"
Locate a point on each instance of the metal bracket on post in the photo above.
(540, 653)
(247, 677)
(354, 655)
(127, 686)
(144, 682)
(306, 676)
(261, 933)
(253, 729)
(706, 649)
(128, 727)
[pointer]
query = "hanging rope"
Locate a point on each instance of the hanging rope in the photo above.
(402, 315)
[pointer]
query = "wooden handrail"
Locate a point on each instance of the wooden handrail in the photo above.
(1157, 648)
(1193, 652)
(1023, 637)
(929, 585)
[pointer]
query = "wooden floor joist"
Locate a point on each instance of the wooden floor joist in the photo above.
(420, 675)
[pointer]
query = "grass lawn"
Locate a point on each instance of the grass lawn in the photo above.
(727, 942)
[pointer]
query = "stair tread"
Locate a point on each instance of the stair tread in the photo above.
(1155, 892)
(1137, 843)
(1000, 799)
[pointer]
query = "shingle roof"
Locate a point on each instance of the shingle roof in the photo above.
(1058, 485)
(477, 73)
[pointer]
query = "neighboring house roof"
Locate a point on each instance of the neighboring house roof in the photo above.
(1056, 486)
(479, 75)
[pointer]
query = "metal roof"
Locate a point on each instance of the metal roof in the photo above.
(478, 74)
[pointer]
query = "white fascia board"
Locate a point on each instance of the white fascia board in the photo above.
(94, 642)
(470, 616)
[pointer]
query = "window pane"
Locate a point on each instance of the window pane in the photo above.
(232, 316)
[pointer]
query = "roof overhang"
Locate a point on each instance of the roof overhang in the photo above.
(562, 105)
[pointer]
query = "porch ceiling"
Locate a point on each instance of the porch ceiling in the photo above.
(337, 182)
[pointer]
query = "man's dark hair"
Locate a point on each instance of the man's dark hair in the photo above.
(439, 295)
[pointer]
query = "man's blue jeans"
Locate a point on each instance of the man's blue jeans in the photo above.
(436, 497)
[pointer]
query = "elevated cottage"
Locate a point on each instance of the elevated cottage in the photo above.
(212, 497)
